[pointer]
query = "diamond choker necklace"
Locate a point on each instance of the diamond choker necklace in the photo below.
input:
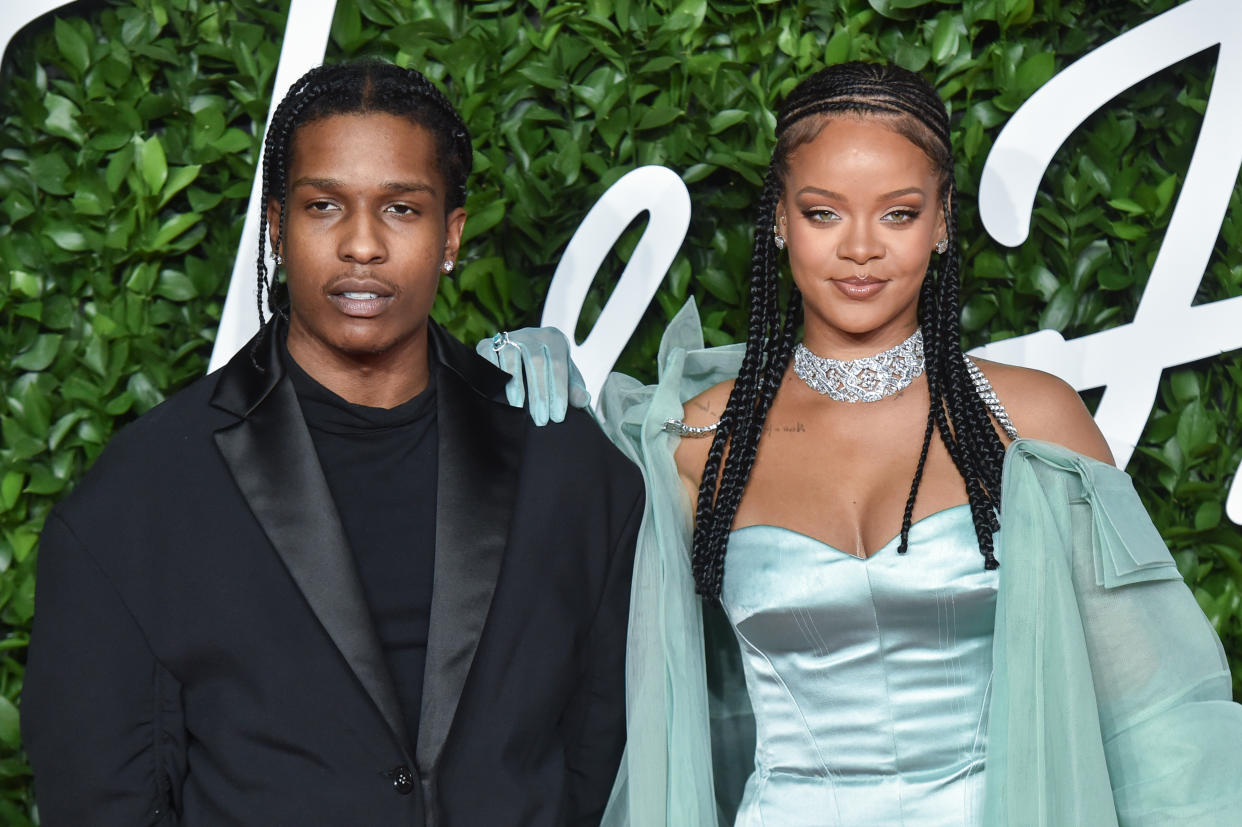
(868, 379)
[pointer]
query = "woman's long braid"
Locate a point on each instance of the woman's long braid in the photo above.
(743, 417)
(360, 87)
(927, 302)
(980, 449)
(955, 411)
(971, 417)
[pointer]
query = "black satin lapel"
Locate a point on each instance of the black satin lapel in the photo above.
(274, 463)
(481, 444)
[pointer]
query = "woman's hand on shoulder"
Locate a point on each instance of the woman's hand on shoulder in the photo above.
(1045, 407)
(691, 453)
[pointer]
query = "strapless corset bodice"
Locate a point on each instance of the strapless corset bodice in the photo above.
(868, 678)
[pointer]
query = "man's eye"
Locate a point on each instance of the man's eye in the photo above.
(402, 209)
(320, 206)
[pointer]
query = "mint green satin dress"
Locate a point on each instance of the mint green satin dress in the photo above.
(863, 693)
(868, 678)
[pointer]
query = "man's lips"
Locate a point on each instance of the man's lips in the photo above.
(859, 287)
(360, 298)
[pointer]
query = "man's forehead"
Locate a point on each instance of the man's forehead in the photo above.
(375, 150)
(334, 184)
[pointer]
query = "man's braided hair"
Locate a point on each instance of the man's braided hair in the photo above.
(360, 87)
(910, 106)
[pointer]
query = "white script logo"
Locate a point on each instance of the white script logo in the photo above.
(1127, 360)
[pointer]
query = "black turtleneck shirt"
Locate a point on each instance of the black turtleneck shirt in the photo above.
(381, 469)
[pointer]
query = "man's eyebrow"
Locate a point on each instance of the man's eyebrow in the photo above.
(333, 184)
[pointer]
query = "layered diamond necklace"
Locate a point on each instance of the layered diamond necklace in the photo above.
(868, 379)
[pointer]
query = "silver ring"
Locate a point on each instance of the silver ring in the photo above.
(500, 341)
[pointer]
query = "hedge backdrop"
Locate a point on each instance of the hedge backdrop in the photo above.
(130, 131)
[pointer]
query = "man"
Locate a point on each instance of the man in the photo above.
(340, 581)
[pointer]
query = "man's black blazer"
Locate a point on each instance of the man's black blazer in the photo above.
(202, 653)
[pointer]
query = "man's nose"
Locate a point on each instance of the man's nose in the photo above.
(362, 240)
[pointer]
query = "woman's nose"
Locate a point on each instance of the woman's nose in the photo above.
(860, 243)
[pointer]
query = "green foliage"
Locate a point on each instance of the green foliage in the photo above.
(126, 151)
(130, 133)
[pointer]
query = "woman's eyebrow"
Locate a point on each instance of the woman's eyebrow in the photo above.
(839, 197)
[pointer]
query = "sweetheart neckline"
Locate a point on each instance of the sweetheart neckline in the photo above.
(831, 547)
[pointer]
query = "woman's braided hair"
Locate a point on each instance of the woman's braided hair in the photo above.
(359, 87)
(910, 106)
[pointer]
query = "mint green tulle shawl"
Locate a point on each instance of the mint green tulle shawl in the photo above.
(666, 772)
(1111, 694)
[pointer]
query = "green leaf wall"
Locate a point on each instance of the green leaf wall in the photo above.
(129, 132)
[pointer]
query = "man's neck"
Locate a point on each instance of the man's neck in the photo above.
(376, 380)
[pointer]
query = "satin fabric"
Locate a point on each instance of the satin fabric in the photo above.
(868, 677)
(1110, 700)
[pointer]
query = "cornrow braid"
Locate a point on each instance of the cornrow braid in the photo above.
(911, 107)
(359, 87)
(739, 414)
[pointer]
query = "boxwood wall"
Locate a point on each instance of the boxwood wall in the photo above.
(130, 131)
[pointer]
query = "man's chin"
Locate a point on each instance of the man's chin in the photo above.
(375, 345)
(356, 340)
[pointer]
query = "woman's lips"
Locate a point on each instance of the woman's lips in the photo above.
(859, 288)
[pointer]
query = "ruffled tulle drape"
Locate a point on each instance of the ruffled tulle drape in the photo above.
(1111, 699)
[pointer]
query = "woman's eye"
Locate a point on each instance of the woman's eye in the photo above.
(901, 216)
(821, 216)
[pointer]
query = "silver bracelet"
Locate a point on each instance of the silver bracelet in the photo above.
(679, 428)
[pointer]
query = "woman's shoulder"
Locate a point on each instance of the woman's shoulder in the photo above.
(1045, 407)
(709, 405)
(700, 411)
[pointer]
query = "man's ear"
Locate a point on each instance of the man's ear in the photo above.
(273, 227)
(454, 223)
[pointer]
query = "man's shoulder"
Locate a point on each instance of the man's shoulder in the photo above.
(578, 445)
(575, 443)
(186, 412)
(168, 437)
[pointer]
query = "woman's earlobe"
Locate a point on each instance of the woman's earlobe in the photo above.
(778, 231)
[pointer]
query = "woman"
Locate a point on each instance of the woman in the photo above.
(1022, 650)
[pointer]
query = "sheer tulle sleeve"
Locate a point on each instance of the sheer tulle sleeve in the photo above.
(666, 772)
(1111, 693)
